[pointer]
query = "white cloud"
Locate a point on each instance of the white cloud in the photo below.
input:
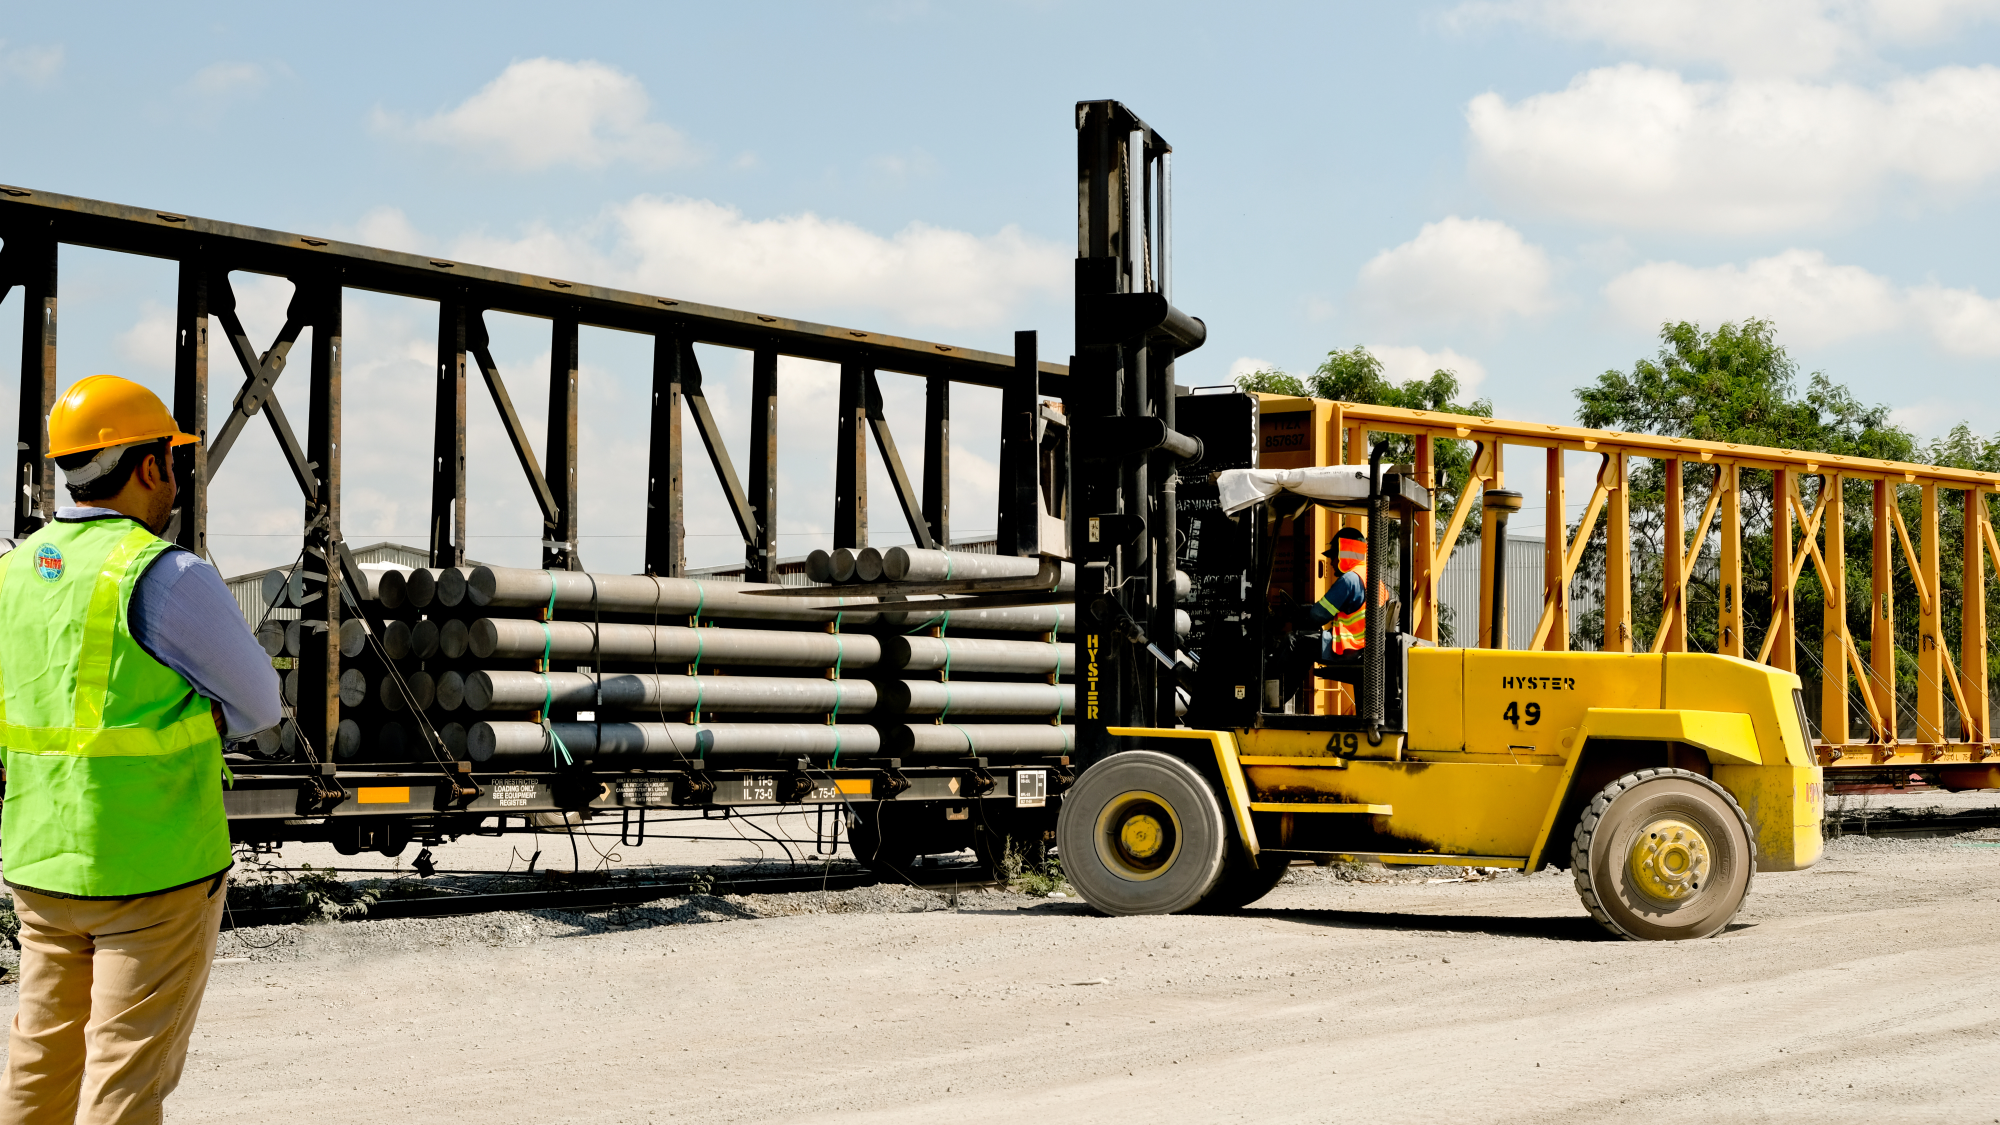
(1249, 365)
(1812, 301)
(542, 113)
(224, 78)
(705, 251)
(1402, 363)
(1769, 37)
(31, 66)
(388, 228)
(1459, 270)
(1637, 147)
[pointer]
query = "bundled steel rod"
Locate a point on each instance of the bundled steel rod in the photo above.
(669, 744)
(528, 691)
(928, 740)
(959, 697)
(664, 745)
(679, 644)
(914, 564)
(673, 644)
(578, 591)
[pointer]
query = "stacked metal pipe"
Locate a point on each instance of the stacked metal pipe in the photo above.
(513, 667)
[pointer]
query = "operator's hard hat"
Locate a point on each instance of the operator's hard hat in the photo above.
(1348, 542)
(102, 411)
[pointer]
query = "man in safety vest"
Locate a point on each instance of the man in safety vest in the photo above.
(124, 662)
(1342, 612)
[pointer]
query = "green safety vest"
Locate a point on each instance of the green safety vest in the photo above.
(113, 763)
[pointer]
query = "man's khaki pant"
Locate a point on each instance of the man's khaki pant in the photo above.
(109, 992)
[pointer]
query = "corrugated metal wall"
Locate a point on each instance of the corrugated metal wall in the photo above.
(1458, 592)
(248, 589)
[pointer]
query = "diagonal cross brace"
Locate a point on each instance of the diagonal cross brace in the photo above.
(260, 376)
(718, 452)
(906, 492)
(476, 341)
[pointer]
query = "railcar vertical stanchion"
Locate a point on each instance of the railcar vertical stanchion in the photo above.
(1834, 705)
(1018, 527)
(34, 470)
(937, 459)
(1882, 615)
(1618, 556)
(447, 545)
(1972, 616)
(850, 460)
(191, 405)
(559, 539)
(666, 528)
(319, 664)
(761, 555)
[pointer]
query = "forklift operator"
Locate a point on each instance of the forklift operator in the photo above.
(1342, 612)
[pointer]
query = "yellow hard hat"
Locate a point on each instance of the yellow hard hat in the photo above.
(103, 410)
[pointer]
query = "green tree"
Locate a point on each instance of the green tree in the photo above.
(1355, 375)
(1738, 384)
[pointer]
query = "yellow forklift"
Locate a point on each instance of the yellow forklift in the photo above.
(1211, 763)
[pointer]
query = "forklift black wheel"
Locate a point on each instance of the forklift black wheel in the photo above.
(1663, 855)
(1141, 833)
(1245, 880)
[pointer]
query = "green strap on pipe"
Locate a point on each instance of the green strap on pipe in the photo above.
(558, 753)
(839, 653)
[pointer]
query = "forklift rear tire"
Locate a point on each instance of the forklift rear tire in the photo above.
(1663, 855)
(1141, 833)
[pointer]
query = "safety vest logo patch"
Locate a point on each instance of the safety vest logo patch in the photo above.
(49, 562)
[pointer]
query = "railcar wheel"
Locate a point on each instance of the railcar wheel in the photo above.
(1141, 833)
(1663, 855)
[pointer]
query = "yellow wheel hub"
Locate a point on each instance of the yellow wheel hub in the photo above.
(1141, 836)
(1138, 835)
(1669, 860)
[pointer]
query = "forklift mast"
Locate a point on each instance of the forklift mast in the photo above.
(1126, 449)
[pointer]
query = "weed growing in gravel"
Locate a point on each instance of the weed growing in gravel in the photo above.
(1031, 870)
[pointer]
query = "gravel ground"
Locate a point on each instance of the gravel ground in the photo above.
(1859, 991)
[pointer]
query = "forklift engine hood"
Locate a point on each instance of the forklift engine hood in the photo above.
(1337, 486)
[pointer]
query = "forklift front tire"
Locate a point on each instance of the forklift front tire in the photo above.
(1663, 855)
(1141, 833)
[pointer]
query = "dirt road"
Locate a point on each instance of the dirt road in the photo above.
(1864, 990)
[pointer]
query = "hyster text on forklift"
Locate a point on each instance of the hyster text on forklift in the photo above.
(1665, 781)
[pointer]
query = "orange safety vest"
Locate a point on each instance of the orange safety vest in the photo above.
(1350, 630)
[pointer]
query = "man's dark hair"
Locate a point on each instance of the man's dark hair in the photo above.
(1349, 533)
(112, 482)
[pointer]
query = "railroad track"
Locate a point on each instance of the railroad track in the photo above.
(444, 903)
(1910, 824)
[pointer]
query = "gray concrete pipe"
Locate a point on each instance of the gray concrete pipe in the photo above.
(527, 691)
(679, 644)
(933, 654)
(420, 684)
(1025, 619)
(961, 697)
(668, 744)
(638, 593)
(932, 740)
(914, 564)
(664, 745)
(673, 644)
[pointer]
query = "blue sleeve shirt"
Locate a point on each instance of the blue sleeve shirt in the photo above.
(1347, 593)
(184, 615)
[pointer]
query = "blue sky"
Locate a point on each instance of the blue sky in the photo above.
(1519, 191)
